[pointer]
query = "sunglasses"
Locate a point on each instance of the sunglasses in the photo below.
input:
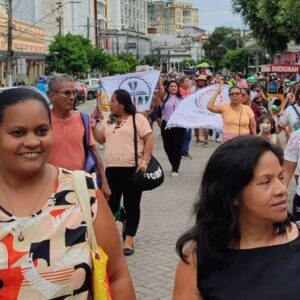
(234, 94)
(67, 93)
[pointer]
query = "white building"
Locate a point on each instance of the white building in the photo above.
(127, 27)
(76, 17)
(29, 11)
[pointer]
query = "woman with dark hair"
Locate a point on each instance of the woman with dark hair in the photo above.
(245, 93)
(117, 132)
(243, 244)
(42, 224)
(172, 137)
(238, 119)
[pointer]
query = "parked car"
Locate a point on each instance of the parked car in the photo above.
(92, 87)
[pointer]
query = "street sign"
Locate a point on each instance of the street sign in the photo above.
(21, 66)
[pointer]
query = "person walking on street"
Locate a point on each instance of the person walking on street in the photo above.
(68, 130)
(45, 250)
(186, 91)
(238, 118)
(172, 137)
(243, 233)
(117, 132)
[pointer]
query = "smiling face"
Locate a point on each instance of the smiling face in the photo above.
(173, 88)
(25, 138)
(264, 199)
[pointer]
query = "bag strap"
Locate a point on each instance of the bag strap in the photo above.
(240, 120)
(135, 141)
(86, 137)
(83, 196)
(296, 111)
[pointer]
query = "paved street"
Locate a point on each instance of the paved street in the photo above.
(165, 214)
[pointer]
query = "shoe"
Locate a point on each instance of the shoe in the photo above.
(205, 144)
(218, 140)
(174, 174)
(128, 251)
(187, 155)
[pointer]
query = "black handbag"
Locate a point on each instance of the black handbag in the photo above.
(153, 177)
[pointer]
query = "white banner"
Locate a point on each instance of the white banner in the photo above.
(140, 85)
(192, 111)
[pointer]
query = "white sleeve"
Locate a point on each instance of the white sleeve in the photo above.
(291, 152)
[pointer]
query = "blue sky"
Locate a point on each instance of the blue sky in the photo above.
(216, 13)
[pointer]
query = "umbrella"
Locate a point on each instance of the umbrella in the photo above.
(203, 65)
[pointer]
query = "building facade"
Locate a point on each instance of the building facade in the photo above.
(29, 11)
(127, 27)
(170, 17)
(63, 17)
(29, 50)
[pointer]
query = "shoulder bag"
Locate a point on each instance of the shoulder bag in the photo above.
(153, 177)
(100, 284)
(91, 160)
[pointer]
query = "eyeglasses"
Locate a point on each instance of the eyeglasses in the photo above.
(67, 93)
(234, 94)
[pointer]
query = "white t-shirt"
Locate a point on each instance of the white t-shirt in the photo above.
(292, 152)
(290, 118)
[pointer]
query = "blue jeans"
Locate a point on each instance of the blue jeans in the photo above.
(186, 141)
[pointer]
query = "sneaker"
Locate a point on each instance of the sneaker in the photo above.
(174, 174)
(186, 155)
(218, 140)
(205, 144)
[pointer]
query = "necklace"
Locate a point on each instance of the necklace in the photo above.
(119, 124)
(173, 102)
(20, 233)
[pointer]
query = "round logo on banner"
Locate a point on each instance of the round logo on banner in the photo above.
(138, 87)
(207, 92)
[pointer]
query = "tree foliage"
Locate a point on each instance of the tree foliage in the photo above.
(130, 59)
(221, 40)
(151, 60)
(274, 22)
(237, 60)
(70, 54)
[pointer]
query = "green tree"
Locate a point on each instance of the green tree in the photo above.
(70, 54)
(274, 22)
(151, 60)
(221, 40)
(116, 66)
(237, 60)
(99, 59)
(130, 59)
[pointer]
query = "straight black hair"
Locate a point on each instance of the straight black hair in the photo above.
(228, 171)
(123, 97)
(17, 95)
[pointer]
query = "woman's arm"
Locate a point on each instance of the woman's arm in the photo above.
(161, 92)
(98, 134)
(252, 126)
(289, 168)
(148, 149)
(108, 238)
(211, 105)
(186, 280)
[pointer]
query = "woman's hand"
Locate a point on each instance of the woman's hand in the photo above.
(93, 122)
(142, 166)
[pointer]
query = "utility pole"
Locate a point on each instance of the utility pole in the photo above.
(9, 45)
(88, 28)
(59, 19)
